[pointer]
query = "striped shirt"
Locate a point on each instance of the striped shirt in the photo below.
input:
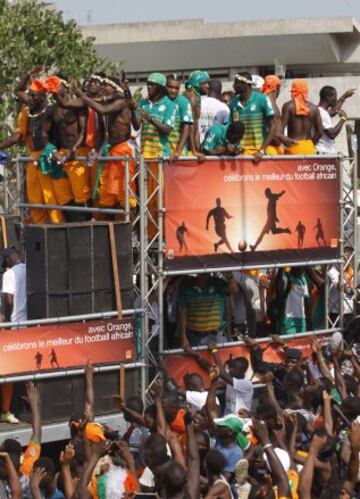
(253, 114)
(183, 116)
(205, 306)
(155, 144)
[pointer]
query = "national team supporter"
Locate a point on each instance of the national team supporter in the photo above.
(302, 120)
(329, 103)
(257, 114)
(213, 111)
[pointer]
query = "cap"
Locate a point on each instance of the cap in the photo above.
(7, 252)
(283, 457)
(236, 425)
(157, 78)
(95, 432)
(293, 353)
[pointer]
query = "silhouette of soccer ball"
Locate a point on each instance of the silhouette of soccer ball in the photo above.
(242, 245)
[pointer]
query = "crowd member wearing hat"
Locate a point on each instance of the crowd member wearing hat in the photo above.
(15, 310)
(256, 112)
(156, 115)
(271, 88)
(302, 120)
(31, 131)
(196, 86)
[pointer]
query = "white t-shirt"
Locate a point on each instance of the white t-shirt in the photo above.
(197, 400)
(14, 283)
(238, 396)
(295, 301)
(325, 144)
(213, 112)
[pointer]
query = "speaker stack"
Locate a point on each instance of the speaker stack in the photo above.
(69, 272)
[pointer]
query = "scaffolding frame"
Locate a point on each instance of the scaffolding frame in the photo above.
(155, 246)
(149, 271)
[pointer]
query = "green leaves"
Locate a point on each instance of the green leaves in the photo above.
(31, 34)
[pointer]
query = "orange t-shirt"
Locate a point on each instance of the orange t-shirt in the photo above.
(30, 456)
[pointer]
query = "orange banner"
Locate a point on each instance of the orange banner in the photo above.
(178, 365)
(226, 212)
(47, 348)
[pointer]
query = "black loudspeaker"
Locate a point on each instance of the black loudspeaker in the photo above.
(60, 398)
(69, 268)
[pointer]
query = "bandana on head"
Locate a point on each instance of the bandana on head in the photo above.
(299, 94)
(272, 82)
(53, 84)
(243, 79)
(38, 86)
(112, 84)
(196, 78)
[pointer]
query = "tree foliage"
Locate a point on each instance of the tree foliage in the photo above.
(31, 34)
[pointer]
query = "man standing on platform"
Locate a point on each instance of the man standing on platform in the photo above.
(329, 105)
(15, 310)
(302, 120)
(256, 113)
(117, 115)
(202, 305)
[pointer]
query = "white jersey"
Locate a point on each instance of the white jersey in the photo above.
(213, 112)
(325, 144)
(14, 283)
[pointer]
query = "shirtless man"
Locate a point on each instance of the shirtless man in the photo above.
(117, 119)
(271, 88)
(60, 192)
(302, 120)
(29, 131)
(68, 127)
(196, 86)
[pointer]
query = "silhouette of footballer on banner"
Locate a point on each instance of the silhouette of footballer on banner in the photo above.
(300, 229)
(272, 219)
(220, 215)
(180, 236)
(319, 232)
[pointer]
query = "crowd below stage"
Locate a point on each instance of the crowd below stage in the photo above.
(60, 122)
(212, 436)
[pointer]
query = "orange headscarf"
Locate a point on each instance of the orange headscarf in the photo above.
(53, 84)
(299, 94)
(272, 82)
(37, 86)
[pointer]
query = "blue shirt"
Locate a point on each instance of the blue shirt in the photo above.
(231, 454)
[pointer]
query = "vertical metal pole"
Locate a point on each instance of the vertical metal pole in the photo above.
(161, 252)
(18, 184)
(143, 273)
(341, 245)
(6, 189)
(355, 225)
(326, 293)
(127, 190)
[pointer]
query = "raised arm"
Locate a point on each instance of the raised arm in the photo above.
(89, 391)
(12, 476)
(66, 459)
(193, 459)
(307, 473)
(33, 399)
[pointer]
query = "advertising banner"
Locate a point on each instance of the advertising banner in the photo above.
(231, 212)
(178, 365)
(64, 346)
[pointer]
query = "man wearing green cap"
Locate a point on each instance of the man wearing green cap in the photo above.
(156, 116)
(196, 86)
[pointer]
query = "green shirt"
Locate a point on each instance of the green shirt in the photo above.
(183, 116)
(155, 144)
(215, 136)
(253, 115)
(205, 306)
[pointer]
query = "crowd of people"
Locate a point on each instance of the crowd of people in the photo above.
(213, 437)
(66, 128)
